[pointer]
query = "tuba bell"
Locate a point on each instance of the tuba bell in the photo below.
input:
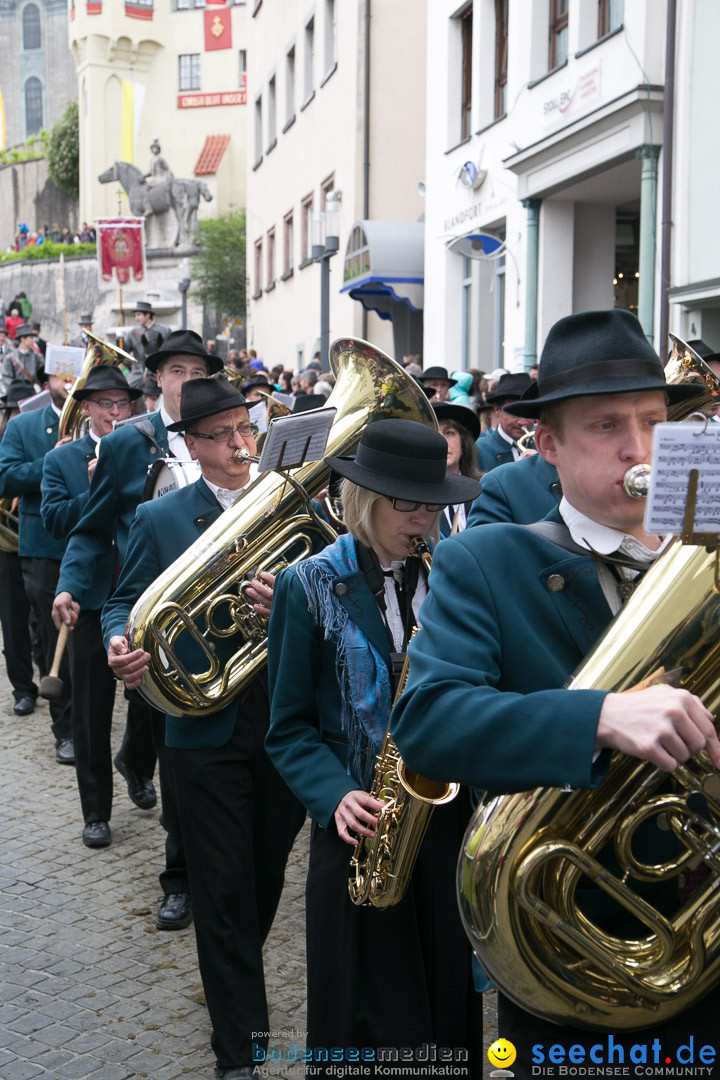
(687, 366)
(98, 352)
(198, 606)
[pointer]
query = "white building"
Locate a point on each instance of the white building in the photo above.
(337, 108)
(545, 128)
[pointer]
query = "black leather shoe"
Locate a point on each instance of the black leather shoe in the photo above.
(140, 789)
(65, 752)
(96, 834)
(24, 706)
(241, 1072)
(175, 912)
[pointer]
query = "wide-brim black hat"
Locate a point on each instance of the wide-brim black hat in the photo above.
(595, 353)
(149, 386)
(85, 320)
(306, 402)
(206, 397)
(183, 343)
(458, 414)
(17, 391)
(105, 377)
(24, 330)
(510, 385)
(259, 381)
(404, 459)
(144, 307)
(436, 373)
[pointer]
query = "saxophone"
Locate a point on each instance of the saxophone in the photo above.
(381, 866)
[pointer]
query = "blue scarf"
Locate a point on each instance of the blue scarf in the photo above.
(362, 673)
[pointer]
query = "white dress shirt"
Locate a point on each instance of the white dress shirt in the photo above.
(176, 441)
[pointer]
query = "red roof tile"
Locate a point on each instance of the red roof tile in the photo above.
(211, 154)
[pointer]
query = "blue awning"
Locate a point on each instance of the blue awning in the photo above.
(384, 265)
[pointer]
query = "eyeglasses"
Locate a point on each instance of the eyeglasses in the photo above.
(407, 507)
(108, 403)
(224, 435)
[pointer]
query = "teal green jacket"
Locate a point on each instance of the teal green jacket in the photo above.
(306, 742)
(522, 491)
(493, 450)
(28, 438)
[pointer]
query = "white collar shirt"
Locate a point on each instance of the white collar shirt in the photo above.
(176, 441)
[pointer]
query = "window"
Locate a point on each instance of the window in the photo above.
(271, 109)
(325, 187)
(290, 84)
(501, 52)
(185, 5)
(31, 27)
(330, 35)
(558, 32)
(357, 255)
(258, 269)
(242, 69)
(189, 71)
(258, 129)
(610, 16)
(306, 234)
(466, 26)
(270, 260)
(33, 106)
(288, 244)
(309, 58)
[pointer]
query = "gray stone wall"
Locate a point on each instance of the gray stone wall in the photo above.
(28, 194)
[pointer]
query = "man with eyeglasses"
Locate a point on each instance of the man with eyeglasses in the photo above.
(116, 491)
(67, 472)
(238, 818)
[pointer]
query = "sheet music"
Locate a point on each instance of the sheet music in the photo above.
(678, 448)
(292, 440)
(65, 361)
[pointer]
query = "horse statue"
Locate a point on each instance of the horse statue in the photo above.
(147, 198)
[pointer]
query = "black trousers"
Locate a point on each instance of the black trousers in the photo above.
(399, 977)
(40, 577)
(15, 620)
(93, 700)
(239, 821)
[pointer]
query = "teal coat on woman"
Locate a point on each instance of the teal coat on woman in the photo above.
(306, 742)
(508, 618)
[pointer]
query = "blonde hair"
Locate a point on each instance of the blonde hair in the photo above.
(358, 503)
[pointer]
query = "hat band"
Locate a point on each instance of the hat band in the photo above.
(397, 467)
(604, 369)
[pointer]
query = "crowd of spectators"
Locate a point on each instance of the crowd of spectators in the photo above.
(24, 238)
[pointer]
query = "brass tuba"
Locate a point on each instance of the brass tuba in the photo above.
(525, 855)
(198, 605)
(9, 524)
(687, 366)
(381, 866)
(98, 352)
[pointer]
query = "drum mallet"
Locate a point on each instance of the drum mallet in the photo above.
(51, 685)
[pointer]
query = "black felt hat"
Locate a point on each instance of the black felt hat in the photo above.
(404, 459)
(206, 397)
(183, 343)
(85, 320)
(306, 402)
(143, 307)
(257, 380)
(25, 330)
(509, 386)
(594, 353)
(149, 385)
(105, 377)
(17, 391)
(458, 414)
(436, 373)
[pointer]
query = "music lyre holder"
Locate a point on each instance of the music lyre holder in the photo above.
(291, 441)
(710, 541)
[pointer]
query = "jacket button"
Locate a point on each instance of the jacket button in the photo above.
(556, 583)
(48, 431)
(153, 450)
(341, 588)
(556, 489)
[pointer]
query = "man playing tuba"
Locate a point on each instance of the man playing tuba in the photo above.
(511, 613)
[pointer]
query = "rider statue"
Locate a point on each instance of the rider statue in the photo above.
(160, 171)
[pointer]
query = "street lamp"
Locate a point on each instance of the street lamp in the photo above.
(325, 244)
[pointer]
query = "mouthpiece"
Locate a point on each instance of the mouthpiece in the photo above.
(636, 481)
(243, 456)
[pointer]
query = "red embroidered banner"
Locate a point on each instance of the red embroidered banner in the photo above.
(121, 247)
(218, 29)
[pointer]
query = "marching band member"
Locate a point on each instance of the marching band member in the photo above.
(340, 622)
(508, 724)
(239, 820)
(460, 428)
(28, 438)
(499, 445)
(522, 491)
(67, 472)
(117, 488)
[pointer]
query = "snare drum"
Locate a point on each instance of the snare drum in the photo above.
(169, 474)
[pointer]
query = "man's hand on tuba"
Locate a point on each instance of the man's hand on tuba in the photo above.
(127, 666)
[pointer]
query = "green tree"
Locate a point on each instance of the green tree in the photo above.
(63, 152)
(218, 270)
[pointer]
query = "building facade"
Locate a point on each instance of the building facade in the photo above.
(544, 147)
(164, 71)
(37, 73)
(336, 113)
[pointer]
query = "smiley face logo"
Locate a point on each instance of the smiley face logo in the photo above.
(502, 1053)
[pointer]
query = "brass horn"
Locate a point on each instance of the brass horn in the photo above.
(9, 524)
(687, 366)
(98, 352)
(204, 637)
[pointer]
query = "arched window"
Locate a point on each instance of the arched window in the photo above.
(31, 27)
(33, 106)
